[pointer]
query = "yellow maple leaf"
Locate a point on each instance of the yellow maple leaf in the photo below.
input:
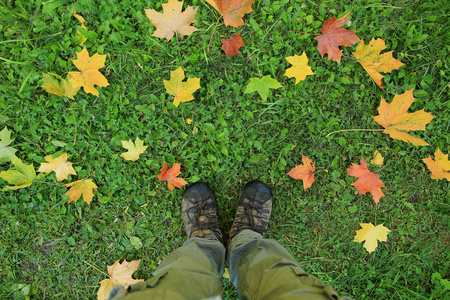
(373, 62)
(300, 68)
(396, 120)
(80, 35)
(134, 149)
(172, 20)
(440, 168)
(89, 75)
(21, 177)
(60, 165)
(61, 87)
(377, 159)
(371, 234)
(83, 187)
(120, 274)
(181, 90)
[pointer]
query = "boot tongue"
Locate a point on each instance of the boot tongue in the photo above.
(202, 219)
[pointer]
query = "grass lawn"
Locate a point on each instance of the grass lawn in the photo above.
(54, 249)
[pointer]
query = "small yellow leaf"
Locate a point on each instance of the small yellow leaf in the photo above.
(80, 35)
(377, 159)
(60, 88)
(300, 68)
(21, 177)
(371, 234)
(83, 187)
(189, 121)
(134, 150)
(181, 90)
(60, 165)
(440, 167)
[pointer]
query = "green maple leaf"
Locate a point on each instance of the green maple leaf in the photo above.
(262, 86)
(6, 153)
(21, 177)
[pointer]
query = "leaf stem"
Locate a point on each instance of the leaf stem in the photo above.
(97, 168)
(387, 163)
(214, 30)
(350, 57)
(353, 130)
(305, 32)
(153, 106)
(97, 269)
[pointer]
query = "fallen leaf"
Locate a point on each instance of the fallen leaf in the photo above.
(373, 62)
(371, 234)
(181, 90)
(61, 87)
(367, 182)
(89, 75)
(82, 38)
(172, 20)
(300, 68)
(231, 46)
(120, 274)
(134, 149)
(232, 11)
(60, 165)
(304, 172)
(333, 36)
(21, 177)
(377, 159)
(396, 120)
(6, 153)
(83, 187)
(262, 86)
(170, 176)
(440, 168)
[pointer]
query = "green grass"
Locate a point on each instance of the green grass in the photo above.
(234, 137)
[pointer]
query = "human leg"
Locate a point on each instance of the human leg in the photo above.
(261, 268)
(192, 271)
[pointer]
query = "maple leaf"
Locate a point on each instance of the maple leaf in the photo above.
(83, 187)
(6, 153)
(120, 274)
(61, 87)
(134, 150)
(172, 20)
(300, 68)
(181, 90)
(377, 159)
(82, 38)
(371, 234)
(21, 177)
(396, 120)
(89, 75)
(304, 172)
(170, 176)
(333, 36)
(371, 60)
(60, 165)
(231, 46)
(367, 182)
(232, 11)
(440, 168)
(262, 86)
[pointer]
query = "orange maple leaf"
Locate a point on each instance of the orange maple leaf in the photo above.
(83, 187)
(232, 11)
(170, 176)
(120, 274)
(440, 168)
(367, 182)
(373, 62)
(396, 120)
(172, 20)
(231, 46)
(333, 36)
(304, 172)
(89, 75)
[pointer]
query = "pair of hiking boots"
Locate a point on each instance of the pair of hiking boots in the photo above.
(199, 211)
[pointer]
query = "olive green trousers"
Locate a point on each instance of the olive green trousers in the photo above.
(259, 268)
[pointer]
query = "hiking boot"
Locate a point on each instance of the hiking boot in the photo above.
(199, 211)
(253, 209)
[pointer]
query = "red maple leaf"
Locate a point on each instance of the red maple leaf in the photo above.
(171, 176)
(367, 182)
(333, 36)
(231, 46)
(304, 172)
